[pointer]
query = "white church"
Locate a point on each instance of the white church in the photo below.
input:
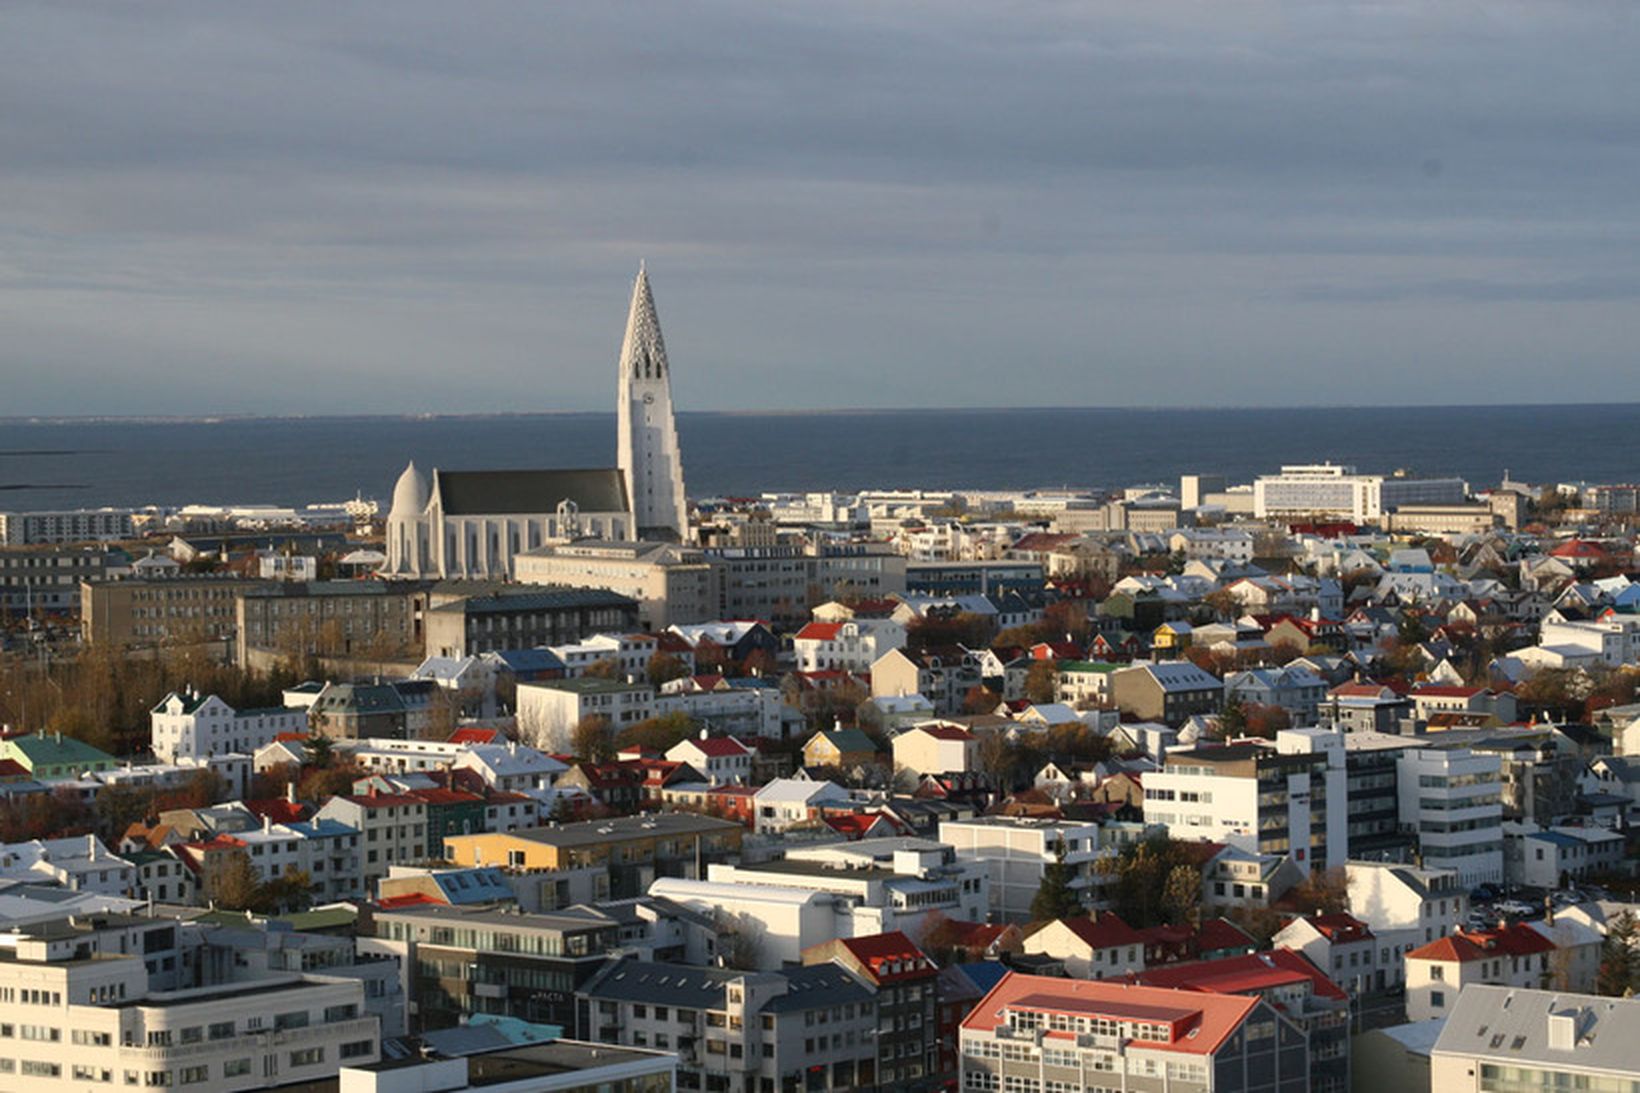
(473, 524)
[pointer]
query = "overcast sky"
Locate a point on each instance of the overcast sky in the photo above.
(434, 206)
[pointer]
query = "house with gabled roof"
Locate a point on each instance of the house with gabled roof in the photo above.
(721, 759)
(1095, 946)
(1511, 956)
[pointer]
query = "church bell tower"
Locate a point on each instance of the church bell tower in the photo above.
(647, 452)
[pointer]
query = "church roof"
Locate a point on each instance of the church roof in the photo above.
(643, 353)
(483, 493)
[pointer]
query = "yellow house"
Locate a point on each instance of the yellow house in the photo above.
(1171, 637)
(663, 844)
(842, 748)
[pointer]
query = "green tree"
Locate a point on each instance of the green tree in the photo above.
(1182, 895)
(1618, 969)
(318, 752)
(592, 740)
(658, 734)
(1056, 899)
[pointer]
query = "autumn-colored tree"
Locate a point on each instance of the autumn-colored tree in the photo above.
(1042, 682)
(592, 740)
(979, 700)
(658, 734)
(238, 887)
(1066, 620)
(710, 656)
(1142, 885)
(965, 628)
(760, 663)
(1182, 895)
(1265, 721)
(605, 668)
(1323, 892)
(664, 668)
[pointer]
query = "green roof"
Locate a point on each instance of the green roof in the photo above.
(1087, 666)
(592, 685)
(55, 750)
(846, 740)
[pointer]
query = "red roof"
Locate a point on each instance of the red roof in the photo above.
(290, 738)
(1340, 928)
(890, 957)
(411, 899)
(1219, 933)
(475, 735)
(946, 732)
(819, 631)
(382, 800)
(1446, 691)
(1248, 974)
(279, 810)
(1200, 1022)
(719, 747)
(1104, 930)
(441, 796)
(1577, 548)
(1516, 939)
(11, 768)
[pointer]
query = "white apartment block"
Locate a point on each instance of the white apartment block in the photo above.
(392, 830)
(70, 526)
(1452, 797)
(548, 711)
(1614, 641)
(188, 725)
(1015, 851)
(1394, 899)
(326, 850)
(1332, 490)
(630, 651)
(90, 1021)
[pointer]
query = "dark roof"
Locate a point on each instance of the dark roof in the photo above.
(472, 493)
(541, 598)
(817, 986)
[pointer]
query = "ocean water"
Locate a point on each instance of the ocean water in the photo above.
(291, 461)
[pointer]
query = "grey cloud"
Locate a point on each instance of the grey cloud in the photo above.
(840, 203)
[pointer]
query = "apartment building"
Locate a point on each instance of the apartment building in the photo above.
(852, 645)
(136, 611)
(524, 617)
(1169, 692)
(1438, 973)
(392, 830)
(1506, 1039)
(671, 583)
(1015, 851)
(907, 1040)
(461, 961)
(89, 1019)
(547, 712)
(380, 619)
(48, 578)
(65, 526)
(1452, 798)
(1372, 783)
(1039, 1034)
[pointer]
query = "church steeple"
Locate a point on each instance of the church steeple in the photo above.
(647, 452)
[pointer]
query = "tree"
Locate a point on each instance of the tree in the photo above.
(658, 734)
(318, 752)
(1182, 895)
(1139, 879)
(291, 892)
(1056, 899)
(979, 700)
(592, 740)
(237, 886)
(759, 663)
(1618, 969)
(710, 656)
(1042, 682)
(1266, 721)
(664, 668)
(1323, 892)
(606, 668)
(999, 758)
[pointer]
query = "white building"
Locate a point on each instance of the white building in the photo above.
(189, 725)
(548, 711)
(1395, 900)
(1452, 797)
(786, 802)
(851, 646)
(1015, 852)
(647, 443)
(935, 748)
(1331, 490)
(1499, 1038)
(1549, 858)
(94, 1023)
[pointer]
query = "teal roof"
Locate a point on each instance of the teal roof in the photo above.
(847, 740)
(56, 750)
(1087, 666)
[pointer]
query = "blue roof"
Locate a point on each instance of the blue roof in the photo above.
(984, 974)
(323, 829)
(529, 660)
(484, 884)
(1563, 841)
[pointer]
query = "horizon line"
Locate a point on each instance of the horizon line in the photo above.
(206, 417)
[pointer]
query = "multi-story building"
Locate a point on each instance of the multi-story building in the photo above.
(379, 619)
(1342, 946)
(65, 526)
(1291, 985)
(1288, 799)
(1169, 692)
(1451, 797)
(190, 725)
(547, 712)
(1556, 857)
(904, 981)
(1295, 689)
(631, 851)
(85, 1019)
(944, 677)
(1510, 1040)
(554, 1066)
(46, 578)
(326, 851)
(850, 646)
(1511, 956)
(392, 829)
(460, 961)
(525, 617)
(739, 1031)
(1096, 946)
(1035, 1034)
(137, 611)
(1015, 852)
(781, 583)
(935, 748)
(670, 582)
(1331, 490)
(1372, 779)
(1405, 905)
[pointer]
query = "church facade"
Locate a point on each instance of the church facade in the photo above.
(475, 524)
